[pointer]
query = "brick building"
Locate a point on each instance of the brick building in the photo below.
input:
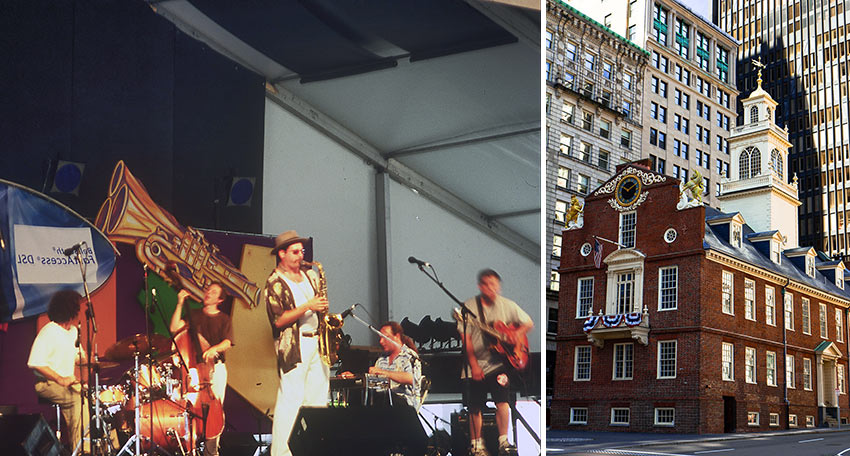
(701, 320)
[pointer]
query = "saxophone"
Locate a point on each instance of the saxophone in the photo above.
(330, 325)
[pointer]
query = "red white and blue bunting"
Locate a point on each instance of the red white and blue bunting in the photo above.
(612, 321)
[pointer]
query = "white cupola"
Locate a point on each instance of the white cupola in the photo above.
(759, 186)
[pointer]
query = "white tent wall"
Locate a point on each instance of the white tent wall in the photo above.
(331, 196)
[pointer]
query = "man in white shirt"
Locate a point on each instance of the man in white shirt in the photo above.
(52, 357)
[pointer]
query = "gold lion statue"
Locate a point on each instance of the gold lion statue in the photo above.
(574, 211)
(695, 186)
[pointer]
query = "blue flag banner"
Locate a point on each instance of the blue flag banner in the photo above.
(36, 232)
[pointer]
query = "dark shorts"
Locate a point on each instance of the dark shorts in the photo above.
(491, 384)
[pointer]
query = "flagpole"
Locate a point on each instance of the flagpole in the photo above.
(610, 241)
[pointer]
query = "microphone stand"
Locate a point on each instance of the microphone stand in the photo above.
(465, 312)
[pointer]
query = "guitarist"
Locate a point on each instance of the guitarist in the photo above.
(216, 328)
(488, 371)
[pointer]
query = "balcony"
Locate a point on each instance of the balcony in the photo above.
(633, 325)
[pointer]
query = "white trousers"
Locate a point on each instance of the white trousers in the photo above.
(306, 384)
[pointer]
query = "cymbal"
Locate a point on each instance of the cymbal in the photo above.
(98, 365)
(127, 348)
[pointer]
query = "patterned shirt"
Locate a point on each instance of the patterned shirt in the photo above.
(405, 361)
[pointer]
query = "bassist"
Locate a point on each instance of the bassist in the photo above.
(488, 371)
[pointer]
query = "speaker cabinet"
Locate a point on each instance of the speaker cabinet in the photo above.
(331, 431)
(460, 432)
(27, 435)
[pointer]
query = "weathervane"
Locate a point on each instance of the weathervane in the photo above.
(757, 63)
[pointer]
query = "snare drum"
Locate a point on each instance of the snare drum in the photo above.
(112, 395)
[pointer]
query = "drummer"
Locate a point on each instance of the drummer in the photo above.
(216, 328)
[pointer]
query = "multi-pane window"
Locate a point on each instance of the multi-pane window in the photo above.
(620, 416)
(806, 315)
(770, 367)
(659, 61)
(578, 415)
(810, 421)
(556, 245)
(628, 221)
(723, 98)
(775, 255)
(583, 186)
(683, 75)
(750, 365)
(774, 420)
(735, 234)
(722, 68)
(570, 51)
(628, 81)
(563, 180)
(566, 144)
(589, 61)
(584, 151)
(581, 370)
(560, 210)
(842, 385)
(627, 108)
(587, 121)
(752, 418)
(626, 139)
(792, 420)
(839, 326)
(726, 291)
(810, 265)
(607, 69)
(682, 37)
(567, 112)
(659, 24)
(807, 374)
(552, 321)
(727, 362)
(554, 281)
(668, 288)
(667, 359)
(665, 416)
(604, 128)
(623, 361)
(789, 371)
(584, 302)
(703, 55)
(604, 159)
(769, 306)
(822, 315)
(625, 292)
(749, 299)
(789, 312)
(569, 80)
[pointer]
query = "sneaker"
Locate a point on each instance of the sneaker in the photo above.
(478, 452)
(507, 450)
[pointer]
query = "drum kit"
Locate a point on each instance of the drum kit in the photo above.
(150, 405)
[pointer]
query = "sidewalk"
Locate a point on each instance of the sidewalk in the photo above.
(586, 440)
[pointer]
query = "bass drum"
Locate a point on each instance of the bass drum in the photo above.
(170, 428)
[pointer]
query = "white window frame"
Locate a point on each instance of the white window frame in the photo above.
(750, 365)
(753, 419)
(810, 266)
(839, 372)
(770, 305)
(839, 326)
(770, 368)
(628, 365)
(580, 299)
(674, 289)
(727, 289)
(790, 380)
(789, 311)
(573, 415)
(774, 419)
(775, 254)
(675, 345)
(554, 280)
(810, 421)
(624, 294)
(807, 374)
(671, 422)
(727, 375)
(806, 315)
(589, 363)
(749, 299)
(625, 232)
(824, 326)
(792, 420)
(735, 233)
(614, 410)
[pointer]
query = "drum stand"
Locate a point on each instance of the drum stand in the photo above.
(137, 413)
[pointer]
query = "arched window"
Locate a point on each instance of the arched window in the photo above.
(754, 114)
(749, 163)
(776, 164)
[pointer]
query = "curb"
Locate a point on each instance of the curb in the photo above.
(736, 437)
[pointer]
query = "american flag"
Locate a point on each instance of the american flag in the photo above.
(597, 253)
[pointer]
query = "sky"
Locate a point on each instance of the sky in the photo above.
(701, 7)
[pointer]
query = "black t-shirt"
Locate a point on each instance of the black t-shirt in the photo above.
(214, 328)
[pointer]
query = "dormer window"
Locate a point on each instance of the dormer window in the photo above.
(735, 235)
(754, 114)
(775, 256)
(810, 266)
(839, 278)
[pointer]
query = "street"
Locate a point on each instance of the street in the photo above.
(784, 443)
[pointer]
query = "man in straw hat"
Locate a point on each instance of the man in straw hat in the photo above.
(292, 302)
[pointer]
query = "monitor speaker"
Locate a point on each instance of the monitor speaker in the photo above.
(27, 435)
(331, 431)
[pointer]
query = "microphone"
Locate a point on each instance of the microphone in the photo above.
(73, 248)
(420, 263)
(348, 311)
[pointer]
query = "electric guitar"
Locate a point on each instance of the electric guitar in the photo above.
(515, 353)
